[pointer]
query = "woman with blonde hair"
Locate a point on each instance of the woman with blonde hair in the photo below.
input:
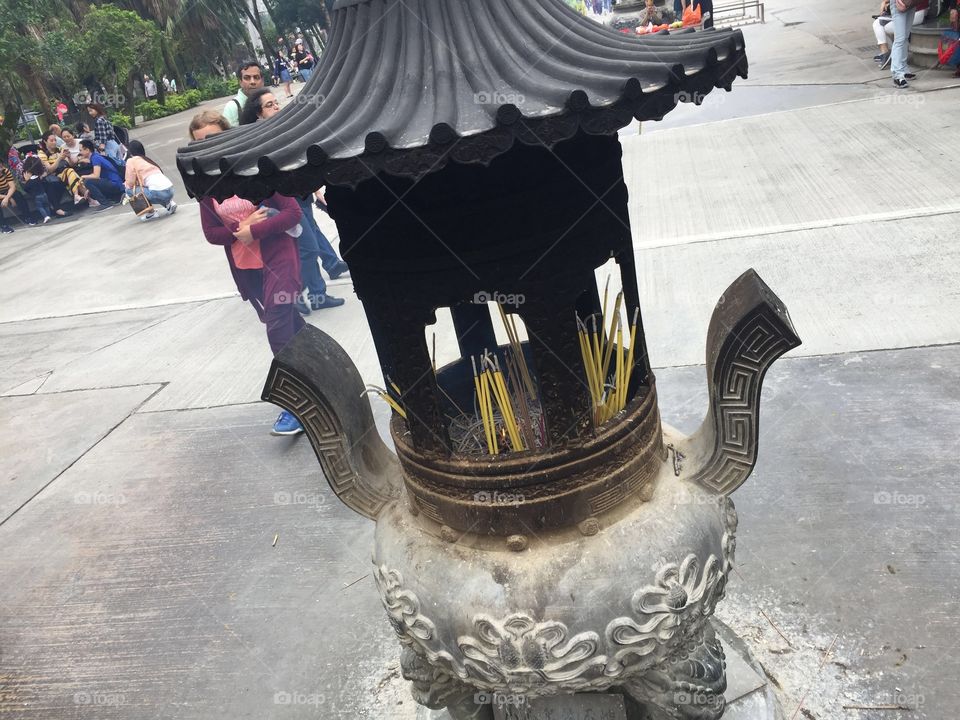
(262, 256)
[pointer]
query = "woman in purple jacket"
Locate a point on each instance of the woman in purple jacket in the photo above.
(263, 257)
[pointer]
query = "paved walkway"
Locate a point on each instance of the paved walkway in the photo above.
(141, 495)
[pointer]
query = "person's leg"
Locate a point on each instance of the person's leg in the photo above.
(159, 197)
(881, 28)
(305, 73)
(93, 190)
(281, 284)
(103, 192)
(113, 151)
(72, 181)
(53, 189)
(20, 209)
(328, 256)
(706, 6)
(43, 205)
(311, 279)
(902, 22)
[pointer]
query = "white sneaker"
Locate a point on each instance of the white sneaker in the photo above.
(77, 199)
(46, 219)
(94, 203)
(172, 207)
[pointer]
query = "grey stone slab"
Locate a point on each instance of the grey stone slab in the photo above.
(124, 263)
(31, 351)
(768, 172)
(850, 517)
(43, 435)
(212, 353)
(856, 287)
(165, 596)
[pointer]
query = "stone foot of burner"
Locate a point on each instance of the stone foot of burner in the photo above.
(688, 688)
(433, 688)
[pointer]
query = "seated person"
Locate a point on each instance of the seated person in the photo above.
(12, 201)
(883, 30)
(57, 162)
(104, 177)
(34, 172)
(84, 132)
(72, 144)
(651, 14)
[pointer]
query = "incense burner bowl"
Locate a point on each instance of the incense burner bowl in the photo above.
(620, 603)
(590, 567)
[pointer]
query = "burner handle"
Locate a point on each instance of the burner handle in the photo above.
(750, 328)
(315, 379)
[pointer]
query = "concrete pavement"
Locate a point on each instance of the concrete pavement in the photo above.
(166, 558)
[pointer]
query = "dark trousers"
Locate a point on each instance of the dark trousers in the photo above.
(309, 247)
(275, 308)
(100, 189)
(21, 212)
(328, 256)
(706, 6)
(54, 189)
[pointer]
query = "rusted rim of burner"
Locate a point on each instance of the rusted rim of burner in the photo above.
(530, 467)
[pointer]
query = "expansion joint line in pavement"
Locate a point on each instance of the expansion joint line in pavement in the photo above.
(880, 217)
(160, 387)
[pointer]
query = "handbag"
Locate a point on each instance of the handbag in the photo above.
(139, 202)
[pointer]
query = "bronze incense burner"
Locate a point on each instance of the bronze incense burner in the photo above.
(467, 153)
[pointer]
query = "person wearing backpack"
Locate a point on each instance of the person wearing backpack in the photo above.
(903, 13)
(251, 79)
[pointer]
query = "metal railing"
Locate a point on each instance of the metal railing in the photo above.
(745, 12)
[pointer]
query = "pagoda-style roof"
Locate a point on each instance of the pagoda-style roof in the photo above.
(407, 85)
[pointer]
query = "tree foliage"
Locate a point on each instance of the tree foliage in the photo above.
(118, 42)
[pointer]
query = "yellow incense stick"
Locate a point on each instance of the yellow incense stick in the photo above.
(629, 368)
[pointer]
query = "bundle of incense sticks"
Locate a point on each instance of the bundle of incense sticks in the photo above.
(392, 400)
(521, 382)
(491, 386)
(608, 386)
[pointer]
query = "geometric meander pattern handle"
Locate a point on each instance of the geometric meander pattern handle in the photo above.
(316, 380)
(750, 328)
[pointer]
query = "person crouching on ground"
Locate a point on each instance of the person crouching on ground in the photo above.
(313, 244)
(103, 176)
(144, 173)
(263, 257)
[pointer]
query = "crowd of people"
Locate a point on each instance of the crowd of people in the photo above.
(88, 164)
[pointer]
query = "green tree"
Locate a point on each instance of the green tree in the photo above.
(20, 37)
(119, 44)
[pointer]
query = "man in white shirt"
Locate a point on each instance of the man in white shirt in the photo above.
(251, 79)
(149, 87)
